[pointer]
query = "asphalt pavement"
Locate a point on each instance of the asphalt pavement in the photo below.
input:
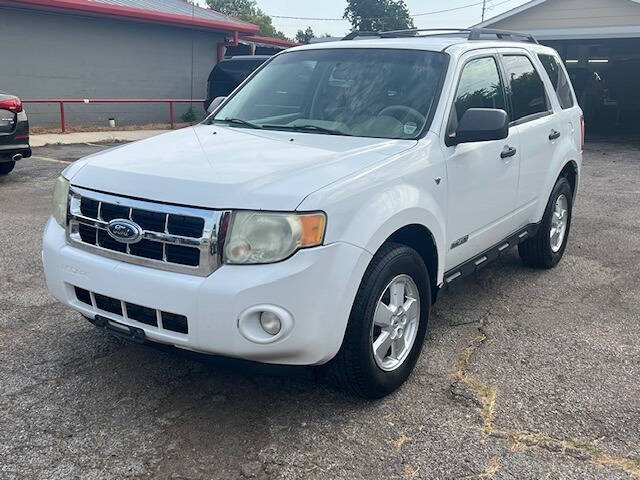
(524, 374)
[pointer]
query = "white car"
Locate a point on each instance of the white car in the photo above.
(315, 214)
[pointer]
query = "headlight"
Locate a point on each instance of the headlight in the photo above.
(60, 198)
(264, 237)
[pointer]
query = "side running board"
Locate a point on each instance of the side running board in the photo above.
(479, 261)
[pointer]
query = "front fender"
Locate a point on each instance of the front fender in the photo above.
(367, 208)
(425, 213)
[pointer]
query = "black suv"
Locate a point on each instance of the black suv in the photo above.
(230, 73)
(14, 132)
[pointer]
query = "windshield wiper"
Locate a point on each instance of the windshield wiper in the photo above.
(307, 128)
(238, 121)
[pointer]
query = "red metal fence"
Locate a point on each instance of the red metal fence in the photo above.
(89, 101)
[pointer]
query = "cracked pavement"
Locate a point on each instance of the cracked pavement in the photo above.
(524, 374)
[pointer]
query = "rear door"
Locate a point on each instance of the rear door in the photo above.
(569, 112)
(481, 178)
(532, 115)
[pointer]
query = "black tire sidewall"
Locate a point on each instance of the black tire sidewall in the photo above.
(561, 187)
(7, 167)
(397, 261)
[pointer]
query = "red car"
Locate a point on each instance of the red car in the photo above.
(14, 133)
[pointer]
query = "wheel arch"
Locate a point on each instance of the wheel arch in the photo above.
(571, 172)
(419, 229)
(421, 239)
(569, 168)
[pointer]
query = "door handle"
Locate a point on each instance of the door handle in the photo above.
(554, 135)
(508, 152)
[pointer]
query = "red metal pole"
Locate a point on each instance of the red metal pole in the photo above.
(62, 122)
(171, 114)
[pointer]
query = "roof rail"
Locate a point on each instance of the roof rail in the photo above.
(501, 34)
(414, 32)
(470, 33)
(355, 34)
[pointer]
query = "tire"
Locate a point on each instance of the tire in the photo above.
(6, 167)
(355, 367)
(541, 251)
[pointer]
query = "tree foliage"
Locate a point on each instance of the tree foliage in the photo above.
(378, 15)
(304, 36)
(248, 11)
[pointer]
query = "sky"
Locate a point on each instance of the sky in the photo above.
(463, 17)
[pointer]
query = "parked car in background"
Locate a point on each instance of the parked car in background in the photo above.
(312, 219)
(230, 73)
(14, 132)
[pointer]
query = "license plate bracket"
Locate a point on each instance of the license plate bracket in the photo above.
(118, 329)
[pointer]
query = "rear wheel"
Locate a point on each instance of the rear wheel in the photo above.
(387, 324)
(547, 248)
(6, 167)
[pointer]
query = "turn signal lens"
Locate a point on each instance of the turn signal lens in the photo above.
(313, 226)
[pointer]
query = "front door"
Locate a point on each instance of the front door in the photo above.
(482, 178)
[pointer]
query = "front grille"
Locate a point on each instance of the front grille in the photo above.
(130, 311)
(174, 238)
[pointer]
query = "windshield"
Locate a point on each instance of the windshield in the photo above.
(360, 92)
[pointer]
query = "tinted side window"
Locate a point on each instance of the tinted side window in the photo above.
(528, 96)
(558, 80)
(479, 87)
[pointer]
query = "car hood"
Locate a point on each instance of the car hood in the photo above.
(215, 166)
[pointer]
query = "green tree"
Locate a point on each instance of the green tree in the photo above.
(248, 11)
(378, 15)
(304, 36)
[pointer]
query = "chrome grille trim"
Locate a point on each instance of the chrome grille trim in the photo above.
(207, 244)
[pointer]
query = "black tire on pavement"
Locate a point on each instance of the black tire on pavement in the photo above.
(536, 251)
(6, 167)
(354, 368)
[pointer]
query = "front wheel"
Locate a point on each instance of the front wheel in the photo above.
(6, 167)
(387, 324)
(547, 248)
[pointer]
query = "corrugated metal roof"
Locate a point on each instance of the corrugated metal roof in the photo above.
(175, 12)
(173, 7)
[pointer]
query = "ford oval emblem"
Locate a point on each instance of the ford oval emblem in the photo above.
(124, 231)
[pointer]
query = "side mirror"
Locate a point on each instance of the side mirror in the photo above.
(215, 103)
(481, 125)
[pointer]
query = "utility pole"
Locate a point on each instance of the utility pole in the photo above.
(484, 7)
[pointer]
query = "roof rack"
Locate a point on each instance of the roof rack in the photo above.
(470, 33)
(355, 34)
(501, 34)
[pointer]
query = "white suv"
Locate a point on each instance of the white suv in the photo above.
(313, 217)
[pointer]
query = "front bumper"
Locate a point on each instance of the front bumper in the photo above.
(316, 287)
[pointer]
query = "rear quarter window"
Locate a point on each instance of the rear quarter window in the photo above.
(558, 79)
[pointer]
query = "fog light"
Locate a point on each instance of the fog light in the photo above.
(270, 323)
